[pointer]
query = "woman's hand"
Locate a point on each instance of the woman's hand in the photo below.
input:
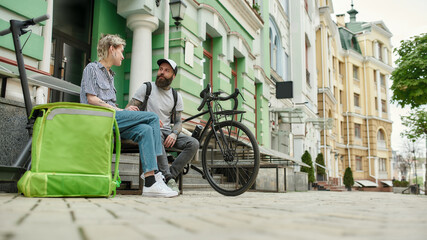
(132, 108)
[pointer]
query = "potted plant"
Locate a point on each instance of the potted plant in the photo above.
(348, 178)
(257, 8)
(400, 186)
(306, 158)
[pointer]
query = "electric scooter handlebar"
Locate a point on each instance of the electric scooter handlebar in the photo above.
(26, 23)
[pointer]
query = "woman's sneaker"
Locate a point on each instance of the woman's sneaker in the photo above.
(158, 189)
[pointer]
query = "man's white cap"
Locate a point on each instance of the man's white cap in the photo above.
(171, 62)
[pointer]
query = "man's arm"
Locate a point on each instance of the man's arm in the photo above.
(134, 102)
(177, 128)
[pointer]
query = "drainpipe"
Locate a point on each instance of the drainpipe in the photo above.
(44, 65)
(323, 96)
(348, 91)
(166, 49)
(366, 111)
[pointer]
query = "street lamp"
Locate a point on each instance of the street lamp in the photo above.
(178, 11)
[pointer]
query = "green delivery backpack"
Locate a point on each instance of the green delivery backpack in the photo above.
(71, 152)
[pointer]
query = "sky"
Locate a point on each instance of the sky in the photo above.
(404, 19)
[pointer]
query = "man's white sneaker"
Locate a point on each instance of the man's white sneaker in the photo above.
(172, 185)
(158, 189)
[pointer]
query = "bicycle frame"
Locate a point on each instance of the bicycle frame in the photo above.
(211, 124)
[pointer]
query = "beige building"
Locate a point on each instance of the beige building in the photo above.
(354, 64)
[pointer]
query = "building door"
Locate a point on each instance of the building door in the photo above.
(71, 41)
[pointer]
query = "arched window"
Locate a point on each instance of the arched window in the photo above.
(381, 139)
(276, 49)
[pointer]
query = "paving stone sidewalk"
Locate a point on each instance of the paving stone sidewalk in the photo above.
(209, 215)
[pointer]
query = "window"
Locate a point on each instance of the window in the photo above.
(382, 77)
(207, 57)
(275, 48)
(307, 73)
(385, 56)
(341, 97)
(376, 103)
(357, 130)
(359, 163)
(355, 72)
(381, 139)
(382, 163)
(380, 51)
(356, 100)
(381, 136)
(274, 54)
(383, 106)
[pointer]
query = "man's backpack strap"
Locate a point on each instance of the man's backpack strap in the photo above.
(147, 95)
(175, 100)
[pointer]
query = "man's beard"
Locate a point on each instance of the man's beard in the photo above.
(163, 82)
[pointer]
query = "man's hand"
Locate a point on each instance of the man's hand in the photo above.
(132, 108)
(170, 140)
(161, 123)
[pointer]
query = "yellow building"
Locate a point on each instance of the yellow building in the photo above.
(354, 65)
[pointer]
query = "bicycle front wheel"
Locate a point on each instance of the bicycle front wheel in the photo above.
(230, 158)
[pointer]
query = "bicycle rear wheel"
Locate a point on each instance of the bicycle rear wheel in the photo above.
(230, 164)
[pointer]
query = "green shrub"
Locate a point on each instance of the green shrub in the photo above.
(306, 158)
(348, 178)
(321, 162)
(398, 183)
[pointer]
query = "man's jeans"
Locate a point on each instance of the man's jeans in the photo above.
(187, 144)
(143, 128)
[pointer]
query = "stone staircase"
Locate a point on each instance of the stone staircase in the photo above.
(329, 186)
(193, 180)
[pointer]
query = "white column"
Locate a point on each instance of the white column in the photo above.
(44, 65)
(143, 26)
(376, 53)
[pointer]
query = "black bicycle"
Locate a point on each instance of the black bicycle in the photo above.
(230, 153)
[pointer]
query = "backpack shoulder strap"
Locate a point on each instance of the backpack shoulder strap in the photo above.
(175, 100)
(147, 95)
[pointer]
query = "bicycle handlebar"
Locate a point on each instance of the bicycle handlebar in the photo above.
(207, 96)
(204, 94)
(26, 23)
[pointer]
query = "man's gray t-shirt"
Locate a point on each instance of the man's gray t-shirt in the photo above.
(160, 102)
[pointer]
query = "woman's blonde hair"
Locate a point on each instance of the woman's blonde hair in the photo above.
(104, 43)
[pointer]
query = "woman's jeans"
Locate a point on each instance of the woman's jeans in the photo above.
(143, 128)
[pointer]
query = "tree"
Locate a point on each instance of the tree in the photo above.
(348, 178)
(306, 158)
(416, 124)
(320, 161)
(416, 127)
(410, 76)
